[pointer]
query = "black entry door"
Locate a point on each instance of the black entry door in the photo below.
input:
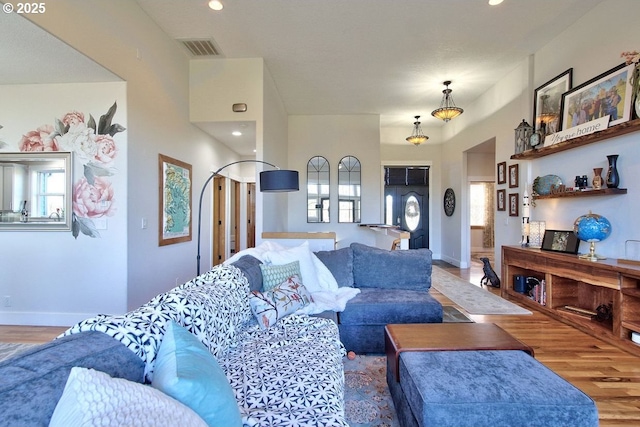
(410, 210)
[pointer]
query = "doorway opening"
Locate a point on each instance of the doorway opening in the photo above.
(481, 204)
(406, 202)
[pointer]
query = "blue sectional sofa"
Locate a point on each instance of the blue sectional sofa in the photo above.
(394, 288)
(264, 366)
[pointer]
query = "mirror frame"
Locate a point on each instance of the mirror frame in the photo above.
(29, 156)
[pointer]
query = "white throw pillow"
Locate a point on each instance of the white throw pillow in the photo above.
(93, 398)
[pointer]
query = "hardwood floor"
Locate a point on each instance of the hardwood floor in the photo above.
(609, 375)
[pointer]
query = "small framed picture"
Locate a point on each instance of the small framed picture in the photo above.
(502, 173)
(501, 200)
(513, 204)
(560, 241)
(513, 176)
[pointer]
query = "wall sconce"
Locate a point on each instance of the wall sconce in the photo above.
(536, 233)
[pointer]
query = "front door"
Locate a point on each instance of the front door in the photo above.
(409, 206)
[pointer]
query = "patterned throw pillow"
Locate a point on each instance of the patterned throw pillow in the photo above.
(273, 275)
(286, 298)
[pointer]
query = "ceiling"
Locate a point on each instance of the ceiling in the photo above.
(382, 57)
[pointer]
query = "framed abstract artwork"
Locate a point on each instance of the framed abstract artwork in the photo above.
(175, 194)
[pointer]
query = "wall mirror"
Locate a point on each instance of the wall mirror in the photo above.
(35, 191)
(318, 190)
(349, 190)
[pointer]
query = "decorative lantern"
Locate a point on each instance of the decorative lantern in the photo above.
(536, 233)
(523, 133)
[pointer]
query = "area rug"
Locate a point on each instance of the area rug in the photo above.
(472, 299)
(366, 397)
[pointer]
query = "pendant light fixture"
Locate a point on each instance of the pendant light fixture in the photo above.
(448, 109)
(417, 137)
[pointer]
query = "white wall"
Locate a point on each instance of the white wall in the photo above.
(589, 59)
(335, 137)
(500, 110)
(115, 34)
(51, 277)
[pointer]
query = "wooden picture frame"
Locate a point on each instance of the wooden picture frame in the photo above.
(589, 100)
(514, 176)
(174, 201)
(501, 200)
(502, 172)
(547, 102)
(564, 241)
(513, 204)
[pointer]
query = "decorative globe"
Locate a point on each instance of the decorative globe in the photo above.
(592, 227)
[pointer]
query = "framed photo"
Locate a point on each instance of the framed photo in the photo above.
(174, 207)
(547, 102)
(608, 94)
(502, 172)
(501, 200)
(513, 176)
(560, 241)
(513, 204)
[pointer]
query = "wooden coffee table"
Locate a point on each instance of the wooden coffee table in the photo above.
(446, 336)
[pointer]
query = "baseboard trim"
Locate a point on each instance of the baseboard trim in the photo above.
(42, 319)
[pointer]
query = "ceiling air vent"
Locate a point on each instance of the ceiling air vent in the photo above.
(201, 47)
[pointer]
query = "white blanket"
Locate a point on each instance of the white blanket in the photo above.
(316, 277)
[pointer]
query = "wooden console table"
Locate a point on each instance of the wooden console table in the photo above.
(575, 288)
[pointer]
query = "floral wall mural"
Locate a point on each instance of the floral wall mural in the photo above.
(94, 147)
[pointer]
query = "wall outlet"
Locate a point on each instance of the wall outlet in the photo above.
(7, 300)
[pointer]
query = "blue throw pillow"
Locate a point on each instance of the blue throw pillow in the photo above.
(186, 371)
(380, 268)
(250, 267)
(340, 264)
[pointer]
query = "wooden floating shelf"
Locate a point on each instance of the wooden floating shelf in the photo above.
(600, 192)
(621, 129)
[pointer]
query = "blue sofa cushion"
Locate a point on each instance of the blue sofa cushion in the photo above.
(33, 382)
(340, 264)
(250, 267)
(383, 306)
(490, 388)
(380, 268)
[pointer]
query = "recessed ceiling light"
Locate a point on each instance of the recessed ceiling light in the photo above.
(217, 4)
(254, 150)
(236, 133)
(495, 2)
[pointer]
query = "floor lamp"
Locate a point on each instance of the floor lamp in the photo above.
(274, 181)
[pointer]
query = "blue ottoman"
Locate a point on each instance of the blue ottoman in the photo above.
(501, 388)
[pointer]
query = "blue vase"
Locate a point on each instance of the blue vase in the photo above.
(613, 179)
